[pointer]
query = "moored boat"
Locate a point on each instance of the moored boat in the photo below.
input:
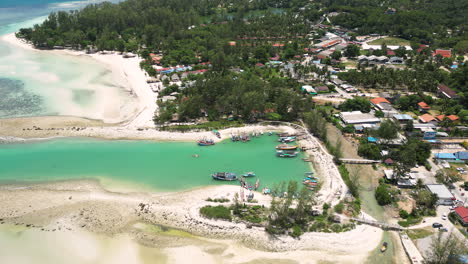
(287, 139)
(249, 174)
(286, 154)
(286, 147)
(224, 176)
(205, 142)
(384, 247)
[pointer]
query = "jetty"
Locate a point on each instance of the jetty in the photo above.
(359, 161)
(384, 226)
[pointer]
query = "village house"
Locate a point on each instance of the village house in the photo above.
(384, 105)
(322, 89)
(427, 118)
(396, 60)
(462, 215)
(402, 118)
(443, 53)
(446, 92)
(423, 107)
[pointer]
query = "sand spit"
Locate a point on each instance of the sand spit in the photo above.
(126, 71)
(84, 205)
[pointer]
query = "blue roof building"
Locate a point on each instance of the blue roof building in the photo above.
(445, 156)
(462, 155)
(371, 139)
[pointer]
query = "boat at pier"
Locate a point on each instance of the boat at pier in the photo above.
(224, 176)
(286, 147)
(205, 142)
(287, 139)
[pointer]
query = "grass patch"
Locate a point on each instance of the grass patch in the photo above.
(205, 126)
(216, 212)
(390, 41)
(218, 200)
(418, 233)
(410, 221)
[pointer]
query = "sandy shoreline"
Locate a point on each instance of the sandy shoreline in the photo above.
(67, 206)
(84, 205)
(126, 70)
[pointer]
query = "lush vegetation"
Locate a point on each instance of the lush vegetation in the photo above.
(356, 104)
(436, 22)
(216, 212)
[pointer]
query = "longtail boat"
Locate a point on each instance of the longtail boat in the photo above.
(224, 176)
(286, 154)
(286, 147)
(205, 142)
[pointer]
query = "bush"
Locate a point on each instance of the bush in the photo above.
(339, 208)
(404, 214)
(382, 195)
(216, 212)
(352, 185)
(297, 231)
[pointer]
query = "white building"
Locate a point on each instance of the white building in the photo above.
(445, 196)
(358, 117)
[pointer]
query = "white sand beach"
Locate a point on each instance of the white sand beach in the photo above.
(126, 72)
(77, 206)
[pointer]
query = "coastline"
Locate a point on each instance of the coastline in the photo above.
(126, 70)
(141, 127)
(69, 206)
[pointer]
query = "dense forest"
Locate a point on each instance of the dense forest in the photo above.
(440, 23)
(243, 96)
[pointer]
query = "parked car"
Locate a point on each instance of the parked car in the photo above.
(444, 217)
(451, 186)
(437, 225)
(443, 229)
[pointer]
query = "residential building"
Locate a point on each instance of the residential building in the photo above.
(322, 89)
(384, 105)
(443, 53)
(423, 107)
(396, 60)
(309, 89)
(446, 92)
(357, 117)
(427, 118)
(402, 118)
(443, 193)
(462, 215)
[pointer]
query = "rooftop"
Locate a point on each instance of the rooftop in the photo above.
(462, 212)
(441, 191)
(402, 117)
(423, 105)
(445, 156)
(379, 100)
(426, 118)
(357, 117)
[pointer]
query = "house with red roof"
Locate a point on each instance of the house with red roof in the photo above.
(440, 118)
(453, 118)
(462, 215)
(446, 92)
(379, 100)
(390, 52)
(421, 48)
(277, 45)
(427, 118)
(423, 107)
(443, 53)
(232, 43)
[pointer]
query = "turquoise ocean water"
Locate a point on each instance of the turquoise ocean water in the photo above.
(33, 83)
(157, 165)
